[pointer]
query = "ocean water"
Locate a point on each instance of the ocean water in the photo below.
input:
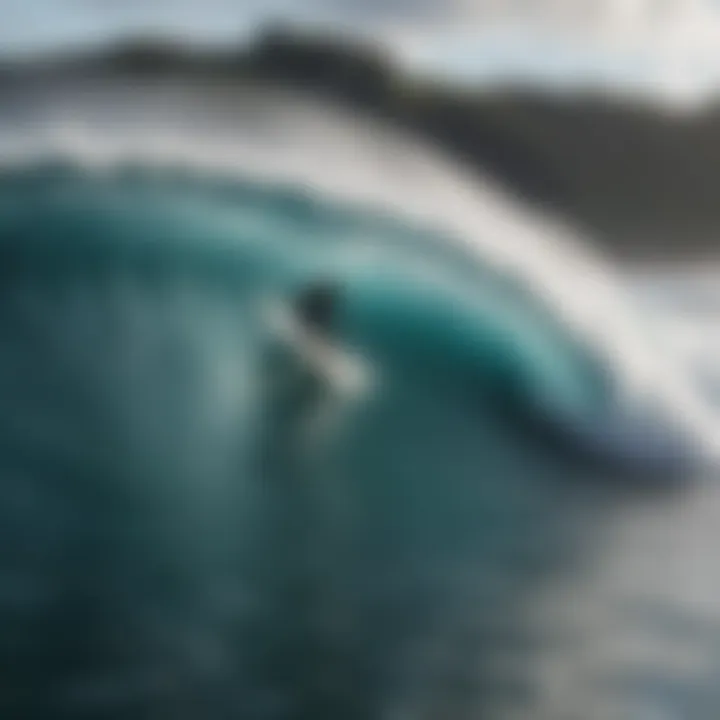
(514, 518)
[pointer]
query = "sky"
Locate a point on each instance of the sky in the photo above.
(667, 47)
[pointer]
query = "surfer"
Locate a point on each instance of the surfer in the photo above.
(311, 379)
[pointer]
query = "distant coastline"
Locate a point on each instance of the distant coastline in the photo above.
(643, 182)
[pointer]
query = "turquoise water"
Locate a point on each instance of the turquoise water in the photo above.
(406, 291)
(167, 554)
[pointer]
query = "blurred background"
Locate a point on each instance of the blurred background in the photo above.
(604, 111)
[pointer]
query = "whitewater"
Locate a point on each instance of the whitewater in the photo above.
(516, 519)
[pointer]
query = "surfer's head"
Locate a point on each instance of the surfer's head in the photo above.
(317, 304)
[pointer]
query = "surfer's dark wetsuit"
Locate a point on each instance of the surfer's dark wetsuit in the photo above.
(312, 621)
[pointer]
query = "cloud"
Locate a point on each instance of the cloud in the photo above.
(671, 48)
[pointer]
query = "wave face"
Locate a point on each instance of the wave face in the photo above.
(487, 532)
